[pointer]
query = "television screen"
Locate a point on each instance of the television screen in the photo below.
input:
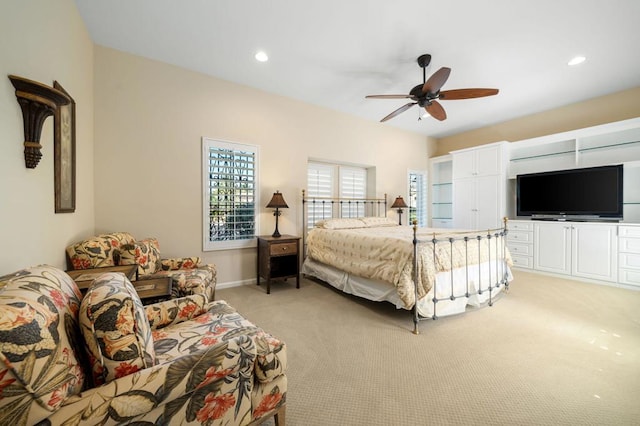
(591, 192)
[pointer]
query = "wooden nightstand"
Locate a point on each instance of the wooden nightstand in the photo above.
(278, 258)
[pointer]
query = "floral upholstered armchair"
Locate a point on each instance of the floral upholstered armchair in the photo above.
(109, 360)
(188, 276)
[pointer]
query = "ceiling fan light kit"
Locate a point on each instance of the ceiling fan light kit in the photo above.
(426, 95)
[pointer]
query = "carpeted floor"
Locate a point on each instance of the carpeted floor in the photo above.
(551, 351)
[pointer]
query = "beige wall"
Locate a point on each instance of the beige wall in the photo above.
(42, 40)
(605, 109)
(150, 118)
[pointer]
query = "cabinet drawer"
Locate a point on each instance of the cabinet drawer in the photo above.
(522, 261)
(520, 226)
(283, 249)
(629, 245)
(629, 231)
(520, 249)
(631, 261)
(520, 236)
(628, 276)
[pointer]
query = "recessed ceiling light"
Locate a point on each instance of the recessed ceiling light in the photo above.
(577, 60)
(261, 57)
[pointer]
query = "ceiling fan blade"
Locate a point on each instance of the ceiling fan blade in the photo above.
(449, 95)
(436, 111)
(400, 110)
(387, 96)
(436, 81)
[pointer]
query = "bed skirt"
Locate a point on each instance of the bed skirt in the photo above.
(473, 280)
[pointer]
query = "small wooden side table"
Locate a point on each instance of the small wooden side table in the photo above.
(153, 290)
(84, 277)
(278, 257)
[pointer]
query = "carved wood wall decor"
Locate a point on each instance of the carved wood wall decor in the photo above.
(37, 102)
(64, 151)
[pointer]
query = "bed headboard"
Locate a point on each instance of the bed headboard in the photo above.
(321, 208)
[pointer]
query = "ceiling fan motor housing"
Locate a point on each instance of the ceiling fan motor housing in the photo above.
(424, 60)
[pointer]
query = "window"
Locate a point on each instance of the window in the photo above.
(326, 180)
(319, 185)
(230, 182)
(418, 197)
(353, 184)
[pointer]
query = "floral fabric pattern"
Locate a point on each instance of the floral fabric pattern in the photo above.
(115, 328)
(120, 248)
(40, 355)
(144, 253)
(204, 371)
(191, 281)
(176, 263)
(175, 311)
(98, 252)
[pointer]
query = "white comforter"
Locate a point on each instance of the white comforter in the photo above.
(386, 253)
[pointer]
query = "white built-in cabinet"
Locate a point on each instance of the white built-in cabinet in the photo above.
(479, 187)
(584, 250)
(629, 255)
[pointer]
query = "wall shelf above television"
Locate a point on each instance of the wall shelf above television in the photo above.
(607, 144)
(590, 147)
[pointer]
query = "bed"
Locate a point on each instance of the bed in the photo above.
(373, 257)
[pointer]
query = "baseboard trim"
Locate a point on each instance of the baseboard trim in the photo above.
(231, 284)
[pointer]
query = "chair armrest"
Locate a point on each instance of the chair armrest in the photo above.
(167, 392)
(271, 361)
(175, 263)
(175, 311)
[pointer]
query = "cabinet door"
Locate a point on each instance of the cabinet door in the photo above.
(552, 247)
(488, 161)
(488, 211)
(595, 252)
(464, 204)
(464, 164)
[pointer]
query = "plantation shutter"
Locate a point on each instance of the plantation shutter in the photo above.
(353, 184)
(230, 191)
(319, 185)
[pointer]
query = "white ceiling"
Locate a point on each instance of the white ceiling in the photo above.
(334, 52)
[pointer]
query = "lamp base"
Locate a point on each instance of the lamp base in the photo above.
(276, 233)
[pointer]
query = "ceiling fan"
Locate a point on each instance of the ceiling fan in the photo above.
(426, 94)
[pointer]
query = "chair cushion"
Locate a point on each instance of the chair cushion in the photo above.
(144, 253)
(220, 323)
(115, 328)
(39, 338)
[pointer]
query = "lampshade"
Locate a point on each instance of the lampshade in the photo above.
(398, 203)
(277, 202)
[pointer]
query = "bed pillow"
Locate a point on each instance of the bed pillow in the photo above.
(379, 221)
(115, 328)
(340, 223)
(144, 253)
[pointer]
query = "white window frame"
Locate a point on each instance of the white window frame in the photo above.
(227, 244)
(421, 203)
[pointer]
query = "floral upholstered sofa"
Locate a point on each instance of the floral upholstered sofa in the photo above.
(120, 248)
(107, 359)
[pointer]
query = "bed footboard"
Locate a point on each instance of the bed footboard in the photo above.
(491, 241)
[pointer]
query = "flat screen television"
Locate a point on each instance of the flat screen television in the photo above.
(593, 193)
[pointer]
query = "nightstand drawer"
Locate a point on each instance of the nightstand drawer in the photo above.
(283, 249)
